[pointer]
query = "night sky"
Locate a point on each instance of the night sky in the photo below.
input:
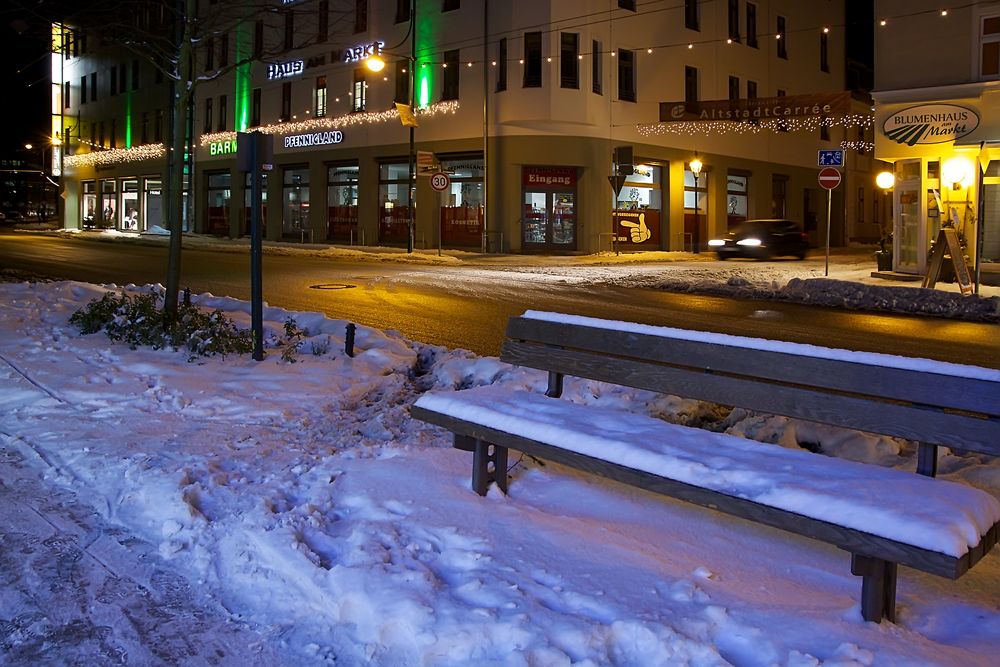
(24, 47)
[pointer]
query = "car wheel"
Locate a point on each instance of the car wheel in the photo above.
(721, 256)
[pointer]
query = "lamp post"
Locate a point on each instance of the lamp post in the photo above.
(377, 64)
(695, 166)
(885, 180)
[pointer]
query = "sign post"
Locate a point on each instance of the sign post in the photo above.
(829, 178)
(440, 183)
(255, 152)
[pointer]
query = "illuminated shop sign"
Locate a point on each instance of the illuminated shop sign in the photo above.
(222, 148)
(313, 139)
(283, 70)
(930, 124)
(358, 53)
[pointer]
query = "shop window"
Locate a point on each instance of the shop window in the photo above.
(989, 62)
(532, 60)
(129, 205)
(342, 203)
(638, 206)
(449, 87)
(502, 64)
(626, 75)
(691, 15)
(295, 203)
(734, 88)
(461, 212)
(824, 52)
(394, 201)
(734, 20)
(690, 84)
(360, 16)
(88, 205)
(736, 198)
(218, 193)
(247, 203)
(319, 97)
(289, 41)
(782, 38)
(779, 195)
(286, 100)
(153, 203)
(695, 209)
(569, 60)
(402, 10)
(596, 68)
(359, 91)
(323, 21)
(109, 204)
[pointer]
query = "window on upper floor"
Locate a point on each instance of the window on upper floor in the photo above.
(223, 125)
(113, 81)
(692, 18)
(286, 101)
(93, 86)
(569, 60)
(502, 64)
(360, 16)
(450, 5)
(626, 75)
(532, 60)
(751, 25)
(207, 125)
(83, 90)
(782, 38)
(289, 42)
(734, 88)
(596, 68)
(323, 21)
(258, 39)
(627, 4)
(734, 20)
(449, 86)
(255, 108)
(209, 54)
(690, 84)
(989, 51)
(359, 91)
(135, 74)
(402, 10)
(824, 52)
(224, 49)
(122, 77)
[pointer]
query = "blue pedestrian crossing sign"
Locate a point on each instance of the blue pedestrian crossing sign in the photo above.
(833, 158)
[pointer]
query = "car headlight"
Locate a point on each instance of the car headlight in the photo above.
(716, 242)
(749, 242)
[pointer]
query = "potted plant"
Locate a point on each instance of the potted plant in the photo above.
(883, 256)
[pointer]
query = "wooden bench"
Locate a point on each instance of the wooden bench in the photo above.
(882, 516)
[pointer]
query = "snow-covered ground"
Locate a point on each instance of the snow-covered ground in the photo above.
(274, 513)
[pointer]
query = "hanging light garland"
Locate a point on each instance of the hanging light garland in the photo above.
(116, 156)
(347, 120)
(692, 128)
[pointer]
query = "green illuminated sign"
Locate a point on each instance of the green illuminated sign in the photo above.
(222, 147)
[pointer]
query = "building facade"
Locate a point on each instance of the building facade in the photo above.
(522, 105)
(938, 122)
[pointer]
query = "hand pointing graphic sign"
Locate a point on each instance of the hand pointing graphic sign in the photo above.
(638, 230)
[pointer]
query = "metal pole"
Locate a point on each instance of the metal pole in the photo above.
(696, 240)
(980, 203)
(829, 209)
(486, 126)
(256, 288)
(411, 225)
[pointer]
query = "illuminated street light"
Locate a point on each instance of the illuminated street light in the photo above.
(695, 166)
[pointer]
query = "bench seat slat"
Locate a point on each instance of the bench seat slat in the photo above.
(924, 523)
(737, 356)
(912, 422)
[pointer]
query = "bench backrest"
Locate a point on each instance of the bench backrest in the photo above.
(930, 407)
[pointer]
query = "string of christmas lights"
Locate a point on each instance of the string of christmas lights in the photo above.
(116, 156)
(701, 127)
(340, 122)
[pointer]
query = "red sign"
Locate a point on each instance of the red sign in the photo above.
(829, 178)
(548, 177)
(440, 181)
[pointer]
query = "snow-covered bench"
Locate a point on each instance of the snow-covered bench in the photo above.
(882, 516)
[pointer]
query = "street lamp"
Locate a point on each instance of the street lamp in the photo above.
(885, 180)
(695, 166)
(375, 63)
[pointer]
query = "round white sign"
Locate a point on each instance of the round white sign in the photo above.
(440, 181)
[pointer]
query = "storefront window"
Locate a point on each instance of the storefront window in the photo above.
(109, 203)
(342, 202)
(394, 213)
(908, 195)
(461, 214)
(219, 192)
(129, 205)
(154, 203)
(247, 194)
(991, 213)
(695, 210)
(736, 199)
(89, 205)
(636, 217)
(549, 214)
(295, 203)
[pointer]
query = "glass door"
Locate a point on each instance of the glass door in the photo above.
(909, 248)
(564, 220)
(549, 221)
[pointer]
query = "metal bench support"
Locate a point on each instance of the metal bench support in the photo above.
(927, 459)
(489, 464)
(878, 587)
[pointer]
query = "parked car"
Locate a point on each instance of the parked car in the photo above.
(763, 239)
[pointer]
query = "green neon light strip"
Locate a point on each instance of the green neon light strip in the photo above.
(242, 93)
(128, 119)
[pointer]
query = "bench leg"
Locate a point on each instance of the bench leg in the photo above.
(489, 464)
(464, 442)
(878, 587)
(927, 459)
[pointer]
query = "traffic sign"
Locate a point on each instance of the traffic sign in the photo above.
(829, 178)
(834, 158)
(440, 181)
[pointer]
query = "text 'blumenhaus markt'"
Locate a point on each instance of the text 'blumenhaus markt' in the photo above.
(515, 126)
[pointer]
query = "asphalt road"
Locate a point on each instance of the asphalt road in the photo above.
(468, 307)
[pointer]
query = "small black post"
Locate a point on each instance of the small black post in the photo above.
(927, 459)
(349, 340)
(187, 296)
(256, 261)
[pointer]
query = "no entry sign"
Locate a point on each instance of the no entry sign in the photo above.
(829, 178)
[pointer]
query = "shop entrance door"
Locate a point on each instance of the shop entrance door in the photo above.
(549, 221)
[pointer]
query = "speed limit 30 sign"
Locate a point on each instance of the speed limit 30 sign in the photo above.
(440, 181)
(829, 178)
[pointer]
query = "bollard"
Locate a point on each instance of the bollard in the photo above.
(187, 296)
(349, 341)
